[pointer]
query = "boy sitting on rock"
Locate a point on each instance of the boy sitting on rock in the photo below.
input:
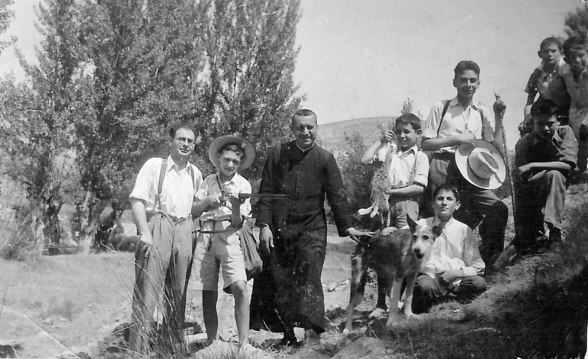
(544, 159)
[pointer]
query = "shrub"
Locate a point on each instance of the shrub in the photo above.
(17, 235)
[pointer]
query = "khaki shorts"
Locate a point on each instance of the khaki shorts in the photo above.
(216, 251)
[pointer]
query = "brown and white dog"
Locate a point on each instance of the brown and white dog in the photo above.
(396, 254)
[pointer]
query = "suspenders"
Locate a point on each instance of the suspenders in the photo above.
(162, 172)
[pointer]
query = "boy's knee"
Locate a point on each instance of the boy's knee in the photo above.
(425, 286)
(555, 176)
(239, 289)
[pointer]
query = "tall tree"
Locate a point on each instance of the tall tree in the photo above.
(6, 15)
(577, 22)
(143, 59)
(44, 111)
(251, 56)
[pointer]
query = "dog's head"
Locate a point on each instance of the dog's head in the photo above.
(423, 238)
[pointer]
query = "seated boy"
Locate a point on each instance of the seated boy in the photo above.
(218, 246)
(544, 159)
(576, 78)
(455, 266)
(548, 82)
(407, 178)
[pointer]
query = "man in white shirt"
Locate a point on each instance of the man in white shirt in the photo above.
(161, 202)
(218, 246)
(455, 266)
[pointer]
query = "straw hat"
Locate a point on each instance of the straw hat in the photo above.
(482, 165)
(246, 146)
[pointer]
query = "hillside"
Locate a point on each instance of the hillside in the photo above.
(332, 135)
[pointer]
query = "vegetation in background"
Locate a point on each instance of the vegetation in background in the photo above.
(113, 76)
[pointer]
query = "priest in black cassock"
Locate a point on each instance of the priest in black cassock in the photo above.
(293, 232)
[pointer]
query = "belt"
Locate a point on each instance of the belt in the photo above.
(214, 221)
(175, 220)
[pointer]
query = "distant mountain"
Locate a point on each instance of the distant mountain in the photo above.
(332, 135)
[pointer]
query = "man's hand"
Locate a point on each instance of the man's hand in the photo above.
(448, 276)
(232, 194)
(146, 237)
(266, 240)
(466, 137)
(355, 233)
(213, 200)
(499, 107)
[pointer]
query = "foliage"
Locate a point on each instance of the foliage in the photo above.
(577, 22)
(249, 89)
(356, 176)
(113, 76)
(6, 14)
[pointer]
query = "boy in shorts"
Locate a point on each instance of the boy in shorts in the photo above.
(407, 176)
(544, 159)
(546, 80)
(576, 77)
(221, 216)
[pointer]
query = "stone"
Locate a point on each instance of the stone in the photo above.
(363, 348)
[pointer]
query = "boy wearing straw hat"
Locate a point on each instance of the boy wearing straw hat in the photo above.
(544, 159)
(461, 121)
(218, 247)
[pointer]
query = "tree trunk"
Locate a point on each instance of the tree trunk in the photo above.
(85, 218)
(89, 214)
(51, 229)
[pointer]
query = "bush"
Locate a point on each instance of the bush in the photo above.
(17, 235)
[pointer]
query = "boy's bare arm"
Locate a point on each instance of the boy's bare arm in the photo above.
(370, 154)
(408, 191)
(434, 144)
(552, 165)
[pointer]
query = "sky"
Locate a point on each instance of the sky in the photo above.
(364, 58)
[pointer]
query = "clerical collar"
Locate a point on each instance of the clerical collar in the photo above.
(304, 150)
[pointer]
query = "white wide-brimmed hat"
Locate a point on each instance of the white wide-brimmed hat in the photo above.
(246, 146)
(482, 165)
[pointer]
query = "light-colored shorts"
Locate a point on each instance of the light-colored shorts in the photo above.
(216, 251)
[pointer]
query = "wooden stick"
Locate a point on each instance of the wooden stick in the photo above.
(501, 109)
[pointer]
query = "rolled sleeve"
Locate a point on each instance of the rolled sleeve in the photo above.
(472, 258)
(433, 121)
(143, 189)
(488, 123)
(421, 173)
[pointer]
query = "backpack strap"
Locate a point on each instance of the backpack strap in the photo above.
(445, 107)
(160, 183)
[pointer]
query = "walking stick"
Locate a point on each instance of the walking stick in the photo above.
(499, 109)
(509, 253)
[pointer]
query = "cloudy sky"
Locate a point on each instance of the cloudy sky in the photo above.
(364, 58)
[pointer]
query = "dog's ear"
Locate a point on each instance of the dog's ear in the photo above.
(411, 223)
(438, 229)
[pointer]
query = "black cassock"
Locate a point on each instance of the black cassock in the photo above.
(289, 292)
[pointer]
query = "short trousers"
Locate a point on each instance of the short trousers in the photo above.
(216, 251)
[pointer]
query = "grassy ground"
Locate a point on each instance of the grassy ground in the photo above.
(77, 299)
(534, 309)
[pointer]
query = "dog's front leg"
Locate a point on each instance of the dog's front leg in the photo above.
(410, 281)
(394, 295)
